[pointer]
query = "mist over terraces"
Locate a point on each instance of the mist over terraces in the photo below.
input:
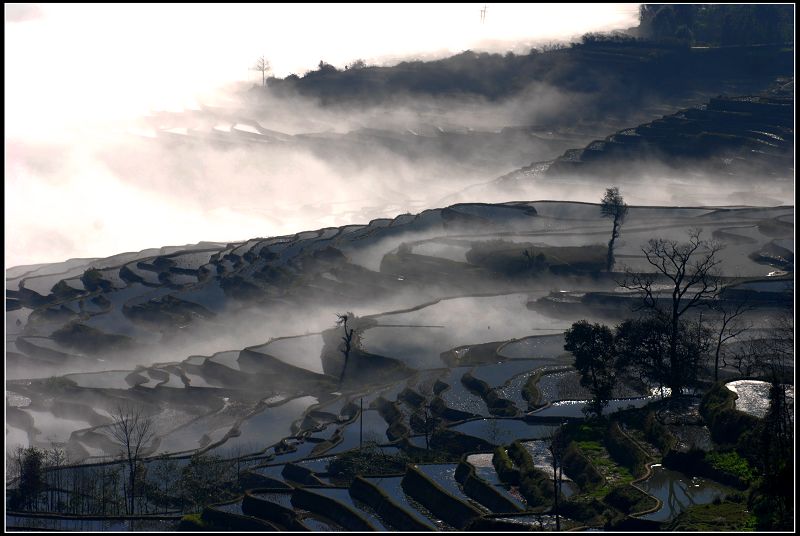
(440, 321)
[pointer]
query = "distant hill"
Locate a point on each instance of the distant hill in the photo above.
(727, 137)
(621, 69)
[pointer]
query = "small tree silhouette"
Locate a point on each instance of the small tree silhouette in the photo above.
(348, 340)
(613, 206)
(262, 65)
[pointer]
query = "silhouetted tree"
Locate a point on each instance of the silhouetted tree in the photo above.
(643, 345)
(358, 64)
(31, 479)
(347, 339)
(133, 430)
(728, 327)
(613, 206)
(262, 65)
(206, 479)
(593, 348)
(557, 447)
(689, 270)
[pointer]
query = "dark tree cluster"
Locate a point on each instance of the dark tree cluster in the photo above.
(718, 24)
(666, 345)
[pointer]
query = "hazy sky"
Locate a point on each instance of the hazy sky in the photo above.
(73, 72)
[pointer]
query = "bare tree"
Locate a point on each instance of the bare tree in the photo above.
(133, 430)
(262, 65)
(690, 272)
(613, 206)
(729, 326)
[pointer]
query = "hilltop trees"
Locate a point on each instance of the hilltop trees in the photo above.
(262, 65)
(613, 206)
(721, 24)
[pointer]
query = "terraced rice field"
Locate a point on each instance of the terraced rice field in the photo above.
(677, 492)
(393, 488)
(270, 425)
(343, 496)
(464, 321)
(503, 431)
(303, 351)
(753, 396)
(457, 396)
(445, 476)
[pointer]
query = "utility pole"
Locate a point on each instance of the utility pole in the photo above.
(427, 420)
(483, 14)
(361, 425)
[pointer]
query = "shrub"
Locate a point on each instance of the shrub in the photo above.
(628, 499)
(368, 460)
(726, 424)
(505, 467)
(579, 469)
(657, 433)
(732, 464)
(624, 451)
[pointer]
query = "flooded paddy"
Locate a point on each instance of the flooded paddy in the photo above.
(343, 496)
(513, 390)
(677, 492)
(457, 396)
(535, 346)
(231, 508)
(485, 470)
(450, 250)
(574, 409)
(319, 525)
(284, 499)
(270, 425)
(110, 379)
(563, 385)
(114, 321)
(228, 359)
(444, 474)
(182, 279)
(270, 471)
(498, 374)
(54, 429)
(209, 295)
(148, 276)
(16, 400)
(42, 284)
(504, 431)
(303, 351)
(89, 525)
(374, 429)
(16, 320)
(463, 321)
(196, 380)
(393, 488)
(16, 437)
(753, 396)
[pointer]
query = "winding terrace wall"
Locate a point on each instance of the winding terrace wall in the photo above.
(306, 499)
(437, 500)
(385, 507)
